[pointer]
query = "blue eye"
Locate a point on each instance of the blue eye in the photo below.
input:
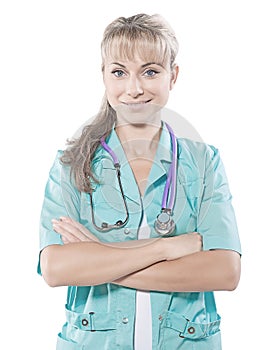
(151, 73)
(118, 73)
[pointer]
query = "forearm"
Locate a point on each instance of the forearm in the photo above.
(202, 271)
(83, 260)
(90, 263)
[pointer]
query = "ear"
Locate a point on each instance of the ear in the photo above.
(103, 70)
(174, 75)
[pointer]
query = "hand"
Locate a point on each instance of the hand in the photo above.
(179, 246)
(72, 231)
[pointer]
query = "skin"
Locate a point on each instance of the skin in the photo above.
(137, 90)
(68, 264)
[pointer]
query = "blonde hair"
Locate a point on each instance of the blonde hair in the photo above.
(149, 37)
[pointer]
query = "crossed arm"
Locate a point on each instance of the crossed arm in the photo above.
(164, 264)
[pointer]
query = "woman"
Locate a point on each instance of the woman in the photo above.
(135, 282)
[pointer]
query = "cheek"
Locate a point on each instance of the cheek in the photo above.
(163, 88)
(163, 84)
(113, 91)
(111, 86)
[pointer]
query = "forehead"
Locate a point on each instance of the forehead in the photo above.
(135, 63)
(121, 49)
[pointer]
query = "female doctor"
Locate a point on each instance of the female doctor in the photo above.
(136, 222)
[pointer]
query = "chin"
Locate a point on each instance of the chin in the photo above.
(139, 115)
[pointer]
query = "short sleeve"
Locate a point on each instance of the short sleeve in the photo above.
(216, 217)
(60, 199)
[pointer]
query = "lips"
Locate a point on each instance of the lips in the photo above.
(136, 103)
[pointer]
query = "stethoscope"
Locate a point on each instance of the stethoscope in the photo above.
(164, 224)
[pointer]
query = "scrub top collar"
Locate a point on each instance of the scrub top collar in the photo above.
(160, 167)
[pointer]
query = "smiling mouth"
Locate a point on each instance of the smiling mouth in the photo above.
(136, 104)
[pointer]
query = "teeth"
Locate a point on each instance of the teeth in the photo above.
(137, 103)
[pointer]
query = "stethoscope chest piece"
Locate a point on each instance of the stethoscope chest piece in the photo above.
(164, 224)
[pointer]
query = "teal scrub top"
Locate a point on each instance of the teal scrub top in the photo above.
(103, 316)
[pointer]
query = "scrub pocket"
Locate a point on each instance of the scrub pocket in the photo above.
(172, 340)
(178, 333)
(63, 344)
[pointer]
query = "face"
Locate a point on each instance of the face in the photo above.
(138, 89)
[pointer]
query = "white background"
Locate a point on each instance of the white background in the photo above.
(51, 83)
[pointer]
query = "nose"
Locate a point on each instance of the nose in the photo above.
(134, 87)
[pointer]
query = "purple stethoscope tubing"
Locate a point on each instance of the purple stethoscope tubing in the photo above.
(171, 178)
(109, 150)
(170, 186)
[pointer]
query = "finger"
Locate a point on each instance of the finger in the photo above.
(79, 227)
(197, 234)
(65, 234)
(70, 231)
(64, 240)
(67, 229)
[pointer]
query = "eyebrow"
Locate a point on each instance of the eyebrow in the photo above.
(143, 65)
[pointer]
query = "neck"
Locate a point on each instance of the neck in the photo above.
(139, 140)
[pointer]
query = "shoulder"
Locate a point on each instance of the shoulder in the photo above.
(58, 156)
(195, 151)
(57, 163)
(201, 159)
(60, 168)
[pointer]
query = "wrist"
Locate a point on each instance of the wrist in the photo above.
(161, 249)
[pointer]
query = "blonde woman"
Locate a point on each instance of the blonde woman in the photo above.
(137, 222)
